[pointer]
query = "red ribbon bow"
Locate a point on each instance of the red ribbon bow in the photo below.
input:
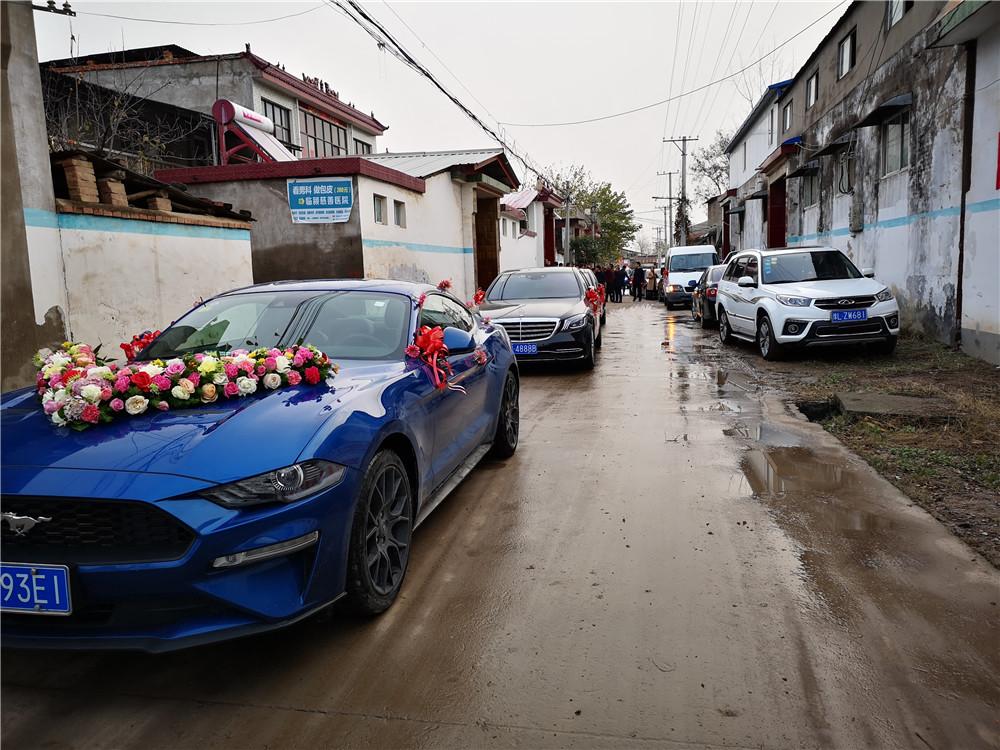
(430, 342)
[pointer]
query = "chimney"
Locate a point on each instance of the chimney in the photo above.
(248, 46)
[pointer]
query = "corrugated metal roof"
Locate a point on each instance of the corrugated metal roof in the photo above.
(429, 163)
(521, 199)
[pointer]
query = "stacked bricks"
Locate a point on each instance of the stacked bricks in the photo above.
(80, 180)
(112, 191)
(159, 203)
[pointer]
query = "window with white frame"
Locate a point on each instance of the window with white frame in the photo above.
(503, 227)
(282, 119)
(895, 10)
(786, 117)
(812, 89)
(847, 53)
(379, 205)
(399, 214)
(770, 126)
(896, 143)
(744, 154)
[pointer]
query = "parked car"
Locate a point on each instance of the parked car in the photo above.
(804, 296)
(593, 283)
(684, 265)
(545, 313)
(176, 528)
(703, 295)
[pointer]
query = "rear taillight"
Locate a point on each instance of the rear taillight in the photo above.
(711, 291)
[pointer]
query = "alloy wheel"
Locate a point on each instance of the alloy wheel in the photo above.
(387, 530)
(511, 412)
(764, 337)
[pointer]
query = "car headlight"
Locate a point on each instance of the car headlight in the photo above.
(575, 323)
(884, 296)
(786, 299)
(675, 288)
(284, 485)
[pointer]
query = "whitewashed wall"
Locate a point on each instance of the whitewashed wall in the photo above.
(524, 252)
(981, 271)
(436, 243)
(125, 276)
(758, 147)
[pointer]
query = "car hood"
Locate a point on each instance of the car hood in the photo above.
(524, 308)
(220, 442)
(840, 288)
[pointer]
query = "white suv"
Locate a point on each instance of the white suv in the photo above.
(804, 296)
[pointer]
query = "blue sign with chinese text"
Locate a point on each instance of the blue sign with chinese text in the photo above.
(320, 200)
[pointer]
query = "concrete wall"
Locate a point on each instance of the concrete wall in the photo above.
(907, 223)
(758, 143)
(527, 251)
(981, 272)
(125, 276)
(283, 250)
(32, 288)
(436, 243)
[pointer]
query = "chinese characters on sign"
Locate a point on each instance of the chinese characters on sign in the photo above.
(320, 200)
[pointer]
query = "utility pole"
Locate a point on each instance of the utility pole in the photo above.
(567, 260)
(683, 140)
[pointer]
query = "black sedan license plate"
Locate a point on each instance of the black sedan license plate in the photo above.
(525, 348)
(35, 589)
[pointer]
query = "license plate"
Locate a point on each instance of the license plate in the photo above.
(36, 589)
(844, 316)
(525, 348)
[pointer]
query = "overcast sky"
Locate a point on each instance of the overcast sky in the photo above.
(516, 63)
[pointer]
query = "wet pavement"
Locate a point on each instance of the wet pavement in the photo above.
(673, 558)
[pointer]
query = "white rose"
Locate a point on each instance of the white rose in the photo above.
(136, 405)
(281, 364)
(59, 360)
(180, 393)
(151, 370)
(91, 393)
(246, 386)
(60, 395)
(48, 395)
(57, 419)
(272, 380)
(99, 372)
(220, 378)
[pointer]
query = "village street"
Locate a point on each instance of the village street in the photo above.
(673, 558)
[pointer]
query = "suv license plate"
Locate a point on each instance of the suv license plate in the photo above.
(35, 589)
(525, 348)
(846, 316)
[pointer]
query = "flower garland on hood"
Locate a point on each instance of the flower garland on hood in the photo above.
(79, 389)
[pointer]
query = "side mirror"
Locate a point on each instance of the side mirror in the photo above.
(746, 281)
(458, 341)
(692, 285)
(868, 272)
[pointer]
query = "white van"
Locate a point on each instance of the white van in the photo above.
(685, 264)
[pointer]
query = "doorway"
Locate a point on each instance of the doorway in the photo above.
(487, 240)
(776, 214)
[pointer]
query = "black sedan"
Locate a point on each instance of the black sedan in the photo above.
(545, 314)
(703, 295)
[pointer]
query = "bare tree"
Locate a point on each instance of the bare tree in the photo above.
(710, 167)
(753, 82)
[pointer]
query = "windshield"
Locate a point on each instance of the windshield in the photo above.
(693, 262)
(535, 285)
(344, 325)
(819, 265)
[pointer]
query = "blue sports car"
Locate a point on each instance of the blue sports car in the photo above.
(178, 528)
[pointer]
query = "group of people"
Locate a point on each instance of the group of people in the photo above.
(619, 278)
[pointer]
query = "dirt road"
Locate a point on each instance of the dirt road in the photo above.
(673, 558)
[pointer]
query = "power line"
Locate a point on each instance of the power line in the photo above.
(199, 23)
(678, 96)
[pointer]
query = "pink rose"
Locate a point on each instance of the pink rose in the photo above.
(163, 406)
(105, 394)
(230, 390)
(271, 363)
(274, 353)
(162, 382)
(55, 381)
(51, 407)
(231, 370)
(261, 369)
(293, 377)
(112, 366)
(194, 377)
(91, 414)
(199, 357)
(297, 360)
(117, 404)
(121, 385)
(305, 353)
(247, 366)
(175, 368)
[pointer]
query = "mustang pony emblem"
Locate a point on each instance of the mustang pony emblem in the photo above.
(21, 525)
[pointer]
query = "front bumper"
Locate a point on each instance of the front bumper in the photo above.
(171, 604)
(563, 346)
(678, 298)
(882, 324)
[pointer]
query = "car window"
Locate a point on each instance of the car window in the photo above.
(737, 268)
(693, 261)
(715, 273)
(752, 268)
(536, 285)
(818, 265)
(439, 310)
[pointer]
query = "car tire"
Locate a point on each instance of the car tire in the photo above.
(888, 346)
(508, 420)
(604, 317)
(704, 317)
(588, 353)
(384, 531)
(599, 341)
(694, 314)
(767, 345)
(725, 332)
